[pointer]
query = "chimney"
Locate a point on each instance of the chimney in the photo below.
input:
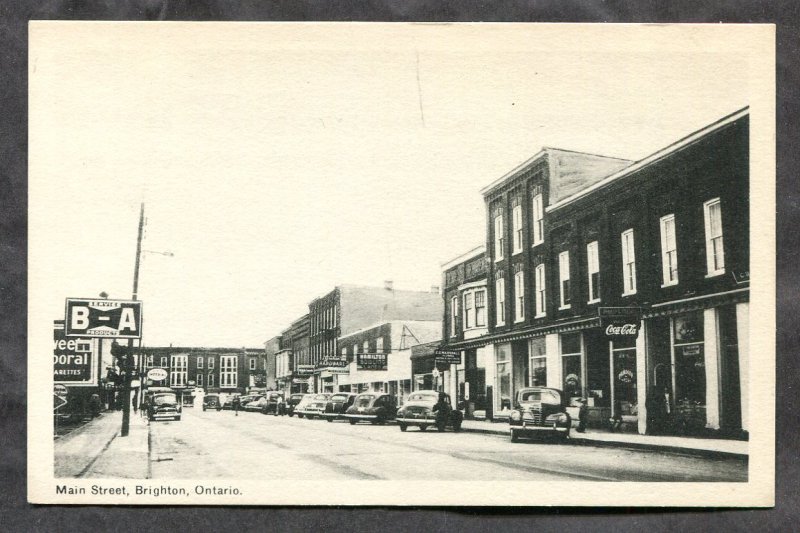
(388, 285)
(435, 289)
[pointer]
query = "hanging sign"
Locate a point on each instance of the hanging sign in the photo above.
(620, 322)
(121, 319)
(447, 357)
(371, 361)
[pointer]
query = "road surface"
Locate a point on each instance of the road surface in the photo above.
(212, 445)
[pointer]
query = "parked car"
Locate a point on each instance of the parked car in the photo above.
(228, 400)
(429, 408)
(212, 401)
(539, 411)
(302, 404)
(315, 407)
(255, 405)
(337, 405)
(374, 407)
(164, 405)
(292, 401)
(244, 400)
(270, 404)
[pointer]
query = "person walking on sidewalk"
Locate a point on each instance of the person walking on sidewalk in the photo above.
(236, 405)
(583, 415)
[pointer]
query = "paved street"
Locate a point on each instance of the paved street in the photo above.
(215, 444)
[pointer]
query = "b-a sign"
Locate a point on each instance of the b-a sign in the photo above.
(121, 319)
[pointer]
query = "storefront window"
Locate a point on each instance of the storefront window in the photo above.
(571, 363)
(503, 357)
(538, 363)
(690, 371)
(624, 360)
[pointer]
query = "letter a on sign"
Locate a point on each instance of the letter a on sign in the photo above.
(127, 320)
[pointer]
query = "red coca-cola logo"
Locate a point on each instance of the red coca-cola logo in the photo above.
(625, 329)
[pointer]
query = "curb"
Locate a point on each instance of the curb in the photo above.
(666, 448)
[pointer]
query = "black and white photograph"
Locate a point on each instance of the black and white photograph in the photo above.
(401, 264)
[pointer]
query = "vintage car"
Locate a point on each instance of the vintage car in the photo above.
(539, 411)
(229, 400)
(212, 401)
(418, 410)
(244, 400)
(337, 405)
(270, 402)
(315, 407)
(374, 407)
(292, 401)
(164, 405)
(300, 407)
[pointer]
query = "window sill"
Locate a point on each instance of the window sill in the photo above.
(670, 284)
(543, 315)
(715, 274)
(595, 301)
(624, 294)
(534, 245)
(564, 307)
(519, 320)
(500, 324)
(516, 252)
(498, 259)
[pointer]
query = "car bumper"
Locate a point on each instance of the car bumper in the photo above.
(332, 415)
(156, 416)
(539, 429)
(361, 417)
(416, 421)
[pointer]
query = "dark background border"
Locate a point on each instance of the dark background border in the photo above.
(17, 515)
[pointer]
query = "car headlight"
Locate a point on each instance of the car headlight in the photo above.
(516, 416)
(558, 418)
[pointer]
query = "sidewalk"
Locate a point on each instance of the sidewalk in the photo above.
(98, 451)
(687, 445)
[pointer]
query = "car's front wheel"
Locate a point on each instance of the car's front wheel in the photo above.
(329, 419)
(423, 427)
(352, 422)
(299, 415)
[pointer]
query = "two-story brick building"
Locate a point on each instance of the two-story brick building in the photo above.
(661, 245)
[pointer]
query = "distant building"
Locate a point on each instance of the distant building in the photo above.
(271, 348)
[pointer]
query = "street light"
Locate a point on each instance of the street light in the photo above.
(168, 254)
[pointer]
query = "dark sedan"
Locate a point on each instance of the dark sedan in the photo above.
(429, 408)
(164, 406)
(373, 407)
(337, 405)
(539, 411)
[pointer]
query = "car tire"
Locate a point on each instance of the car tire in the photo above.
(403, 427)
(352, 422)
(204, 408)
(299, 415)
(329, 419)
(514, 436)
(423, 427)
(441, 426)
(457, 425)
(177, 419)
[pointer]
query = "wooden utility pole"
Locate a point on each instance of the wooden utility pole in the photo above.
(126, 383)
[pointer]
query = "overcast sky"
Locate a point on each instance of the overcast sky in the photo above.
(279, 160)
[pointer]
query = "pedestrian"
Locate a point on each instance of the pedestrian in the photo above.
(616, 417)
(442, 410)
(94, 405)
(279, 406)
(583, 415)
(236, 405)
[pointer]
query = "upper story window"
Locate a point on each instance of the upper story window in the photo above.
(500, 300)
(468, 310)
(210, 362)
(179, 373)
(498, 237)
(228, 369)
(593, 271)
(628, 263)
(715, 253)
(538, 220)
(519, 296)
(669, 251)
(541, 310)
(480, 308)
(563, 277)
(163, 362)
(200, 362)
(517, 221)
(379, 345)
(366, 346)
(453, 316)
(252, 363)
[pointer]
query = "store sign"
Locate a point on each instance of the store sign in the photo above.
(72, 359)
(333, 362)
(620, 322)
(447, 357)
(304, 370)
(121, 319)
(157, 374)
(372, 361)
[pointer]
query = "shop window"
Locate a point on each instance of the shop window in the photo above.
(628, 263)
(572, 368)
(593, 268)
(669, 251)
(538, 363)
(504, 392)
(563, 276)
(517, 220)
(624, 361)
(540, 291)
(690, 372)
(498, 237)
(538, 220)
(715, 253)
(500, 295)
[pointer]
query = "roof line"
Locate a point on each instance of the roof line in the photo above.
(655, 156)
(513, 171)
(481, 248)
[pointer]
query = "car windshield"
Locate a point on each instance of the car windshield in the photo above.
(321, 397)
(543, 395)
(364, 400)
(422, 397)
(339, 398)
(164, 398)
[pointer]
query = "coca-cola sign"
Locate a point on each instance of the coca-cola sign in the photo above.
(620, 321)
